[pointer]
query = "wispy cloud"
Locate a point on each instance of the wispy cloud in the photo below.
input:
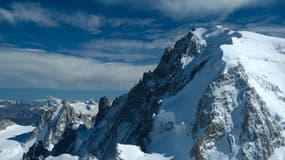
(36, 13)
(268, 29)
(20, 68)
(115, 22)
(130, 50)
(184, 8)
(147, 50)
(273, 30)
(127, 44)
(265, 24)
(82, 20)
(126, 57)
(93, 23)
(27, 12)
(178, 9)
(157, 39)
(123, 50)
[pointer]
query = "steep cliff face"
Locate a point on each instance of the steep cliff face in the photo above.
(130, 118)
(236, 123)
(60, 126)
(217, 94)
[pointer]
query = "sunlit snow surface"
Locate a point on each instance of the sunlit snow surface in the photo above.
(264, 62)
(265, 65)
(63, 157)
(279, 154)
(132, 152)
(125, 152)
(12, 149)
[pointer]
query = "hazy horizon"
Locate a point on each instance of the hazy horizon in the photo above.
(34, 94)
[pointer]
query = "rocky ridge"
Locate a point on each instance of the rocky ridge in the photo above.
(200, 98)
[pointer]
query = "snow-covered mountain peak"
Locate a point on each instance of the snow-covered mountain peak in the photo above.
(217, 94)
(262, 57)
(255, 57)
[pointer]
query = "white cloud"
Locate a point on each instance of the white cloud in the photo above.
(182, 8)
(122, 49)
(35, 13)
(27, 12)
(272, 30)
(189, 8)
(115, 22)
(128, 44)
(265, 24)
(269, 29)
(84, 21)
(132, 50)
(114, 57)
(93, 23)
(155, 39)
(126, 50)
(39, 69)
(158, 39)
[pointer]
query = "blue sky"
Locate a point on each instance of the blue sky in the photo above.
(107, 44)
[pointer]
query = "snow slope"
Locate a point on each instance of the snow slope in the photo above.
(12, 149)
(132, 152)
(279, 154)
(63, 157)
(264, 64)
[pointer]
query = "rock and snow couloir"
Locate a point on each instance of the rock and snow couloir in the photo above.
(217, 94)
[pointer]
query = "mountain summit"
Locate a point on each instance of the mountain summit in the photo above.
(217, 94)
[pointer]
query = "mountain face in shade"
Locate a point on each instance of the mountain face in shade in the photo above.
(217, 94)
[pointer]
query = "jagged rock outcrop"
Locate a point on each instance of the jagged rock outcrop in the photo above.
(103, 106)
(130, 119)
(59, 127)
(235, 121)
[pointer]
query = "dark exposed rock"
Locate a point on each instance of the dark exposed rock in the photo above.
(104, 102)
(258, 134)
(130, 118)
(36, 152)
(104, 106)
(59, 128)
